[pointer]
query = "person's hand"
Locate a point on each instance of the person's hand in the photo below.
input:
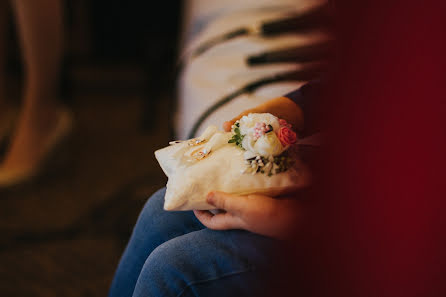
(281, 107)
(260, 214)
(257, 213)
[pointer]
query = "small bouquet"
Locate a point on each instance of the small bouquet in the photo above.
(258, 156)
(266, 140)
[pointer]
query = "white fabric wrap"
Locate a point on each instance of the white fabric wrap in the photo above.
(191, 180)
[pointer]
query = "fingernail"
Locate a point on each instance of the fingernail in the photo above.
(210, 197)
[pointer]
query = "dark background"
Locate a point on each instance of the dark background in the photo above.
(62, 233)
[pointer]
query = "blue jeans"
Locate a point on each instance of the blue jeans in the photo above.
(173, 254)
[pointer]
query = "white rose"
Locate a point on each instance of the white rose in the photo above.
(248, 122)
(268, 145)
(248, 143)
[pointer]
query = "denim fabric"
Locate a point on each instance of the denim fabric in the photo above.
(173, 254)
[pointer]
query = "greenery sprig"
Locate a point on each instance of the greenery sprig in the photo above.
(237, 138)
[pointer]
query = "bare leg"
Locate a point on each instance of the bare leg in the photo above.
(41, 32)
(7, 112)
(3, 32)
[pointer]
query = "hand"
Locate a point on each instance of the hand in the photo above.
(256, 213)
(281, 107)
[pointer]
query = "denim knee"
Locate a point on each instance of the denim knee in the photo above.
(201, 263)
(162, 273)
(163, 225)
(154, 227)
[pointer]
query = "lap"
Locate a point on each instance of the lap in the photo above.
(154, 221)
(206, 263)
(153, 227)
(173, 254)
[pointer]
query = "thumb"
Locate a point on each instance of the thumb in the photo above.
(227, 126)
(228, 202)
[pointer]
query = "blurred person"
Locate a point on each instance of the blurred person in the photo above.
(186, 253)
(42, 122)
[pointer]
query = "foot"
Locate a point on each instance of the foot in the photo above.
(8, 117)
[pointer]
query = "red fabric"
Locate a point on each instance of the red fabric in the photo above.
(378, 228)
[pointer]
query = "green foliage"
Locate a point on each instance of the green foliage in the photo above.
(237, 138)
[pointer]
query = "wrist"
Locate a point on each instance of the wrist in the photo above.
(288, 110)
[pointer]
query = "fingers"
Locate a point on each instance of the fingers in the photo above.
(230, 219)
(227, 126)
(221, 221)
(228, 202)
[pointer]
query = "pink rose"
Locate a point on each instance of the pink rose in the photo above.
(286, 136)
(284, 123)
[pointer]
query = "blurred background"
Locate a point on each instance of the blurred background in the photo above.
(62, 232)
